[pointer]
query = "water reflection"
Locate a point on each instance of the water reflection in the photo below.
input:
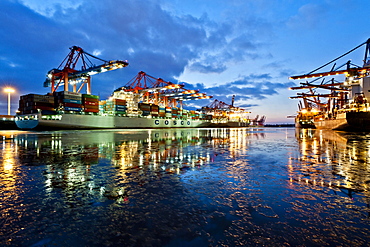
(46, 174)
(333, 159)
(70, 157)
(185, 187)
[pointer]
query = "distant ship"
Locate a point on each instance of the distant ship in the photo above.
(345, 106)
(227, 115)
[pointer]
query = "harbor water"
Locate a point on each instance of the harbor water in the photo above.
(185, 187)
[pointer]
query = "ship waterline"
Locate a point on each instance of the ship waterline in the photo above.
(346, 121)
(75, 121)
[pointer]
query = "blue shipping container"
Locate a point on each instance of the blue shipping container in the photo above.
(72, 109)
(120, 107)
(72, 101)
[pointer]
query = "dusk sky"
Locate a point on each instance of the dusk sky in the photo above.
(247, 48)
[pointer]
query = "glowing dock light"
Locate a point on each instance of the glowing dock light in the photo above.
(9, 90)
(173, 86)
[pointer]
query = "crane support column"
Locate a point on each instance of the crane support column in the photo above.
(88, 86)
(65, 75)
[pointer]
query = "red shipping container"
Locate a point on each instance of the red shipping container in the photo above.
(43, 108)
(72, 105)
(119, 101)
(91, 110)
(91, 106)
(90, 103)
(91, 99)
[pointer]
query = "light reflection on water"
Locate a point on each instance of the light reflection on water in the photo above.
(185, 187)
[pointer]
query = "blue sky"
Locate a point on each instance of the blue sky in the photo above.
(224, 48)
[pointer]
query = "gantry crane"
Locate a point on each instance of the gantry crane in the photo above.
(258, 121)
(67, 74)
(160, 92)
(339, 92)
(355, 71)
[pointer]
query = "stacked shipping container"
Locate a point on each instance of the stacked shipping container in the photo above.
(145, 108)
(162, 112)
(76, 102)
(115, 106)
(68, 101)
(90, 103)
(31, 103)
(154, 110)
(194, 115)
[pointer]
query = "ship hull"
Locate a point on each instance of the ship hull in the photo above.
(74, 121)
(359, 120)
(350, 121)
(333, 124)
(230, 124)
(304, 124)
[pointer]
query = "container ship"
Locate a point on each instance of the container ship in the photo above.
(227, 115)
(330, 102)
(144, 102)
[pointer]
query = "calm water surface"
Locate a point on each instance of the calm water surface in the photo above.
(192, 187)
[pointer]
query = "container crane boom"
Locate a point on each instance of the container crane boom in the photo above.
(67, 74)
(357, 71)
(159, 91)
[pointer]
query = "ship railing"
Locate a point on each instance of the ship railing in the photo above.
(26, 117)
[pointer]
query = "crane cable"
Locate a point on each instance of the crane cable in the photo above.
(338, 57)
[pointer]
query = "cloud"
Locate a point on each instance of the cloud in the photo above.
(48, 8)
(308, 16)
(247, 89)
(208, 68)
(151, 38)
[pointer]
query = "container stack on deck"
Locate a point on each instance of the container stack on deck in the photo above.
(68, 101)
(175, 112)
(185, 114)
(168, 112)
(102, 104)
(162, 111)
(31, 103)
(204, 116)
(115, 106)
(90, 103)
(194, 115)
(145, 108)
(154, 110)
(209, 117)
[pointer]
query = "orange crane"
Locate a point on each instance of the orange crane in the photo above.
(158, 91)
(67, 73)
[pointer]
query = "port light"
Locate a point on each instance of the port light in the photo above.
(9, 91)
(314, 110)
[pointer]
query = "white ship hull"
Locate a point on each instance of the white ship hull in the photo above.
(75, 121)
